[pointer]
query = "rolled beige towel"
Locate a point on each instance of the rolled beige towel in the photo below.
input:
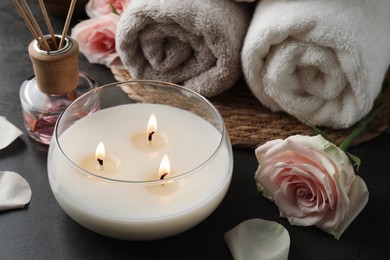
(193, 43)
(322, 61)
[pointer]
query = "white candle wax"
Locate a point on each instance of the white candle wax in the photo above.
(131, 208)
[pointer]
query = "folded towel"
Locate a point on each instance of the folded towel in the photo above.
(322, 61)
(194, 43)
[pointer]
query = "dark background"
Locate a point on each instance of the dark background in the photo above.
(44, 231)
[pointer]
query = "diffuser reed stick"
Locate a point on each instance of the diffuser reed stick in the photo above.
(31, 23)
(28, 17)
(48, 23)
(67, 22)
(35, 24)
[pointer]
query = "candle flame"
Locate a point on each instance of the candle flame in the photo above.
(152, 124)
(165, 168)
(100, 152)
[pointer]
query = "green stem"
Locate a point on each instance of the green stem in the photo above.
(362, 125)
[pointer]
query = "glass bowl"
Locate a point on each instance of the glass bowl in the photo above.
(153, 180)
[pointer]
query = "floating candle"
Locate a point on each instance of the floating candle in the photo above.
(151, 140)
(165, 168)
(167, 187)
(100, 164)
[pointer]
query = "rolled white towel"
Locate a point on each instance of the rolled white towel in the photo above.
(322, 61)
(194, 43)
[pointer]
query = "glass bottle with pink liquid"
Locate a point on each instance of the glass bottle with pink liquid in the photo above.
(57, 82)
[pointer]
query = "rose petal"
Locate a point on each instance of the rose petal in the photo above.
(99, 8)
(358, 198)
(8, 132)
(96, 39)
(262, 150)
(334, 156)
(258, 239)
(15, 191)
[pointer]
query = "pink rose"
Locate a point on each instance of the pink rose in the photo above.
(99, 8)
(312, 182)
(96, 38)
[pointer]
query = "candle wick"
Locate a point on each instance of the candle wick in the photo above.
(162, 177)
(100, 161)
(150, 136)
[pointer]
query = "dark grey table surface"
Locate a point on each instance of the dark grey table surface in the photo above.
(44, 231)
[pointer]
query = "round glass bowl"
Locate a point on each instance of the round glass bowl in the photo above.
(166, 164)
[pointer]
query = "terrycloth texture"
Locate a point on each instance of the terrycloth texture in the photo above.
(322, 61)
(193, 43)
(15, 191)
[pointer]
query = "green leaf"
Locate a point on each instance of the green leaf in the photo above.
(113, 9)
(354, 160)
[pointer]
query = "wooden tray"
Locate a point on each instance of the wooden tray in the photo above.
(250, 124)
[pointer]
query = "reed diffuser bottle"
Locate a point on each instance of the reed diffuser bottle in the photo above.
(57, 80)
(56, 83)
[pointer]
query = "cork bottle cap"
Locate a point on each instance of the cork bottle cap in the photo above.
(56, 72)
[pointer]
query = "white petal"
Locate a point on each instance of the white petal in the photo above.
(15, 192)
(258, 239)
(358, 198)
(8, 132)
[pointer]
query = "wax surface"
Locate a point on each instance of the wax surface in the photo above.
(159, 209)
